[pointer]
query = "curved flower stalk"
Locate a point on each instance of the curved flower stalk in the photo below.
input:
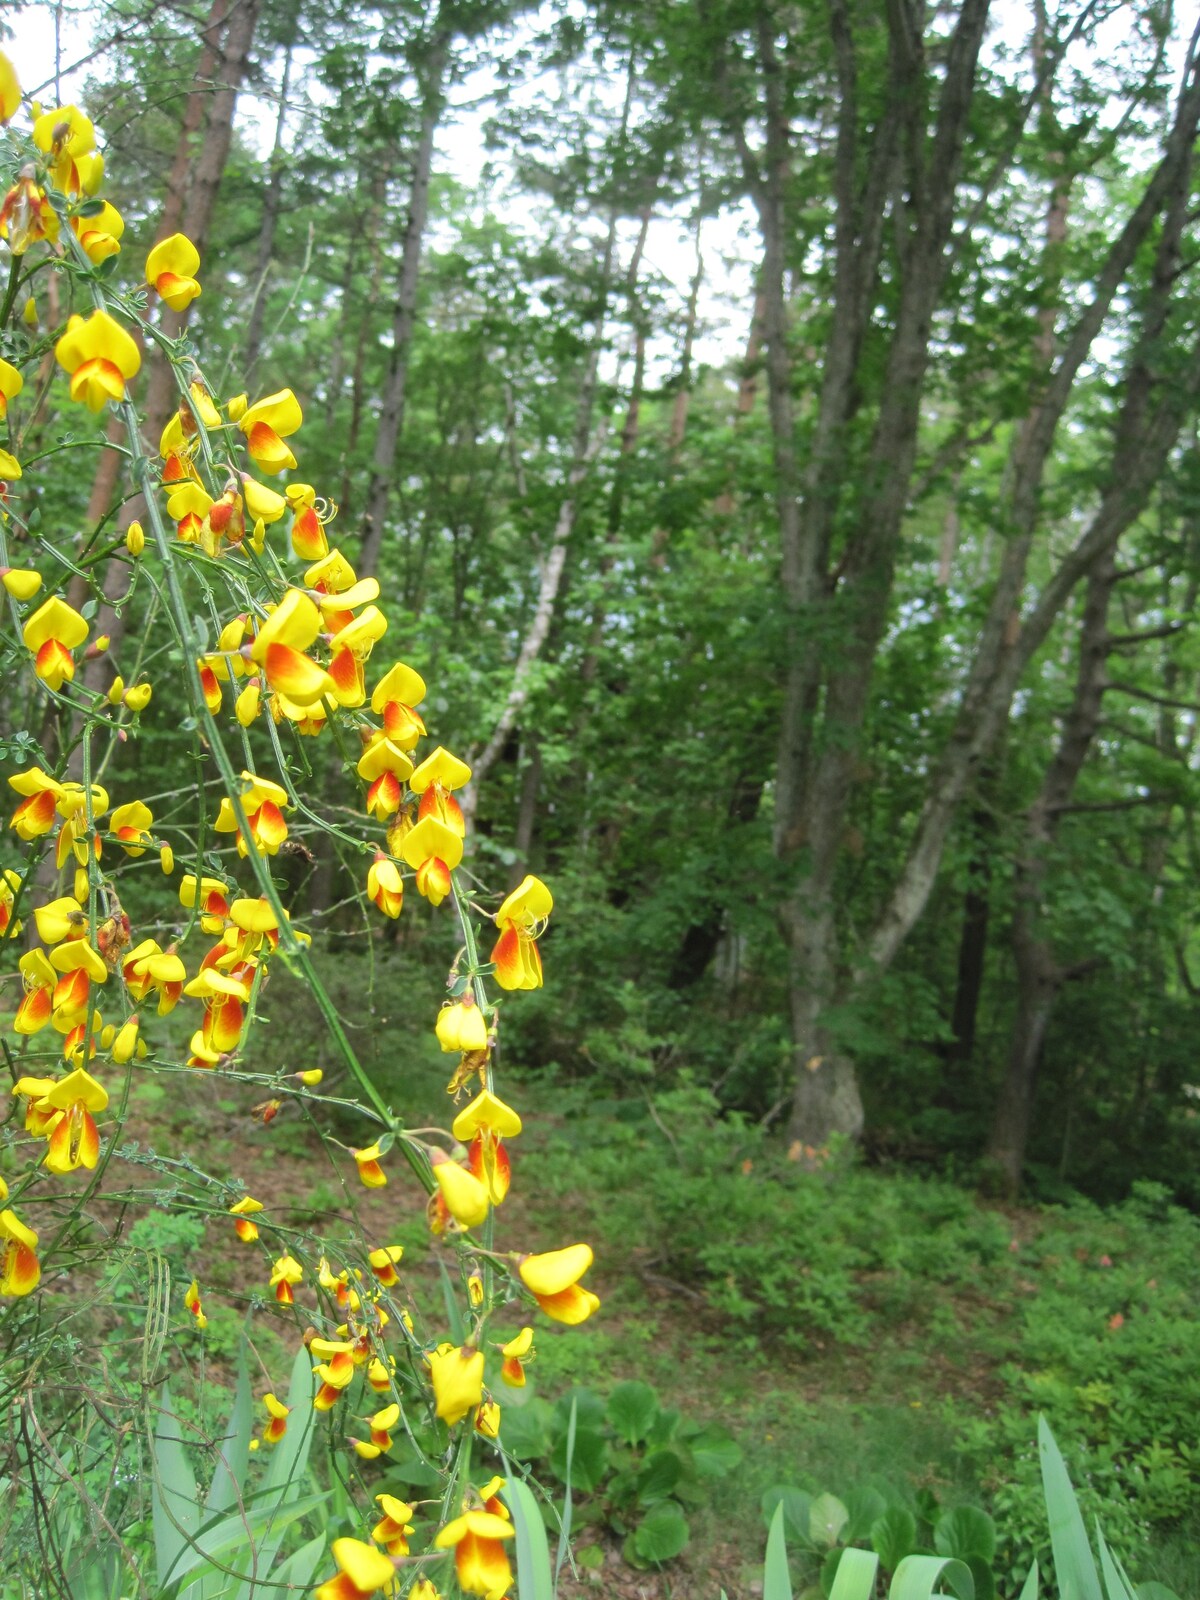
(307, 653)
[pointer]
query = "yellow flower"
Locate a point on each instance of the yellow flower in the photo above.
(486, 1111)
(553, 1279)
(461, 1025)
(170, 269)
(383, 1264)
(369, 1170)
(21, 582)
(286, 1272)
(192, 1301)
(480, 1559)
(266, 424)
(487, 1420)
(100, 356)
(10, 90)
(75, 1140)
(515, 1353)
(385, 886)
(278, 1413)
(457, 1377)
(518, 964)
(433, 850)
(242, 1210)
(362, 1571)
(392, 1529)
(135, 539)
(100, 235)
(66, 136)
(131, 824)
(19, 1269)
(465, 1197)
(11, 384)
(52, 632)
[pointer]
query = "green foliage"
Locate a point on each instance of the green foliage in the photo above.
(629, 1464)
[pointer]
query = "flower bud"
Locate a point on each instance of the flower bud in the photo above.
(135, 539)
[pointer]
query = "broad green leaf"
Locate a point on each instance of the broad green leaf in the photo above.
(589, 1408)
(534, 1578)
(1151, 1591)
(985, 1581)
(827, 1517)
(715, 1452)
(589, 1460)
(527, 1431)
(965, 1531)
(1029, 1589)
(777, 1580)
(919, 1577)
(797, 1508)
(854, 1578)
(1074, 1566)
(865, 1506)
(894, 1536)
(632, 1409)
(174, 1499)
(662, 1533)
(658, 1477)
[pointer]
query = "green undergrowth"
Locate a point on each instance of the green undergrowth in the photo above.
(849, 1326)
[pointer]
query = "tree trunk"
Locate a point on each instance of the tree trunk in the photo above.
(272, 200)
(1039, 975)
(391, 418)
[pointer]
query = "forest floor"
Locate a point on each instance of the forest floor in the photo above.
(918, 1370)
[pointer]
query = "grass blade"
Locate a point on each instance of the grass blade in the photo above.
(1074, 1566)
(175, 1508)
(534, 1579)
(564, 1532)
(777, 1580)
(855, 1576)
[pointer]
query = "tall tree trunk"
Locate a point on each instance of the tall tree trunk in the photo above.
(272, 200)
(1039, 974)
(391, 417)
(188, 205)
(361, 314)
(661, 537)
(629, 439)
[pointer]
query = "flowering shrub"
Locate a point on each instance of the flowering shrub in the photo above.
(279, 642)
